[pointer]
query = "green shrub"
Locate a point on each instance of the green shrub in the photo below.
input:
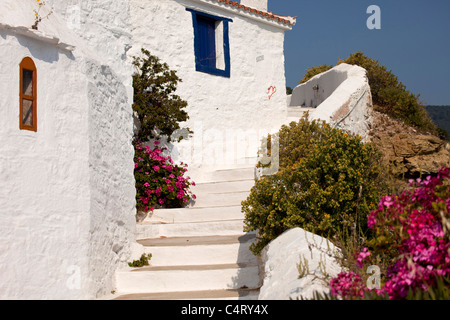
(390, 96)
(379, 77)
(143, 261)
(158, 109)
(328, 183)
(406, 106)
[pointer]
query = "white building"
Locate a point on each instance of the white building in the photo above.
(67, 200)
(230, 57)
(67, 206)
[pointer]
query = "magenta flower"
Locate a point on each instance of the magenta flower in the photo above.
(362, 255)
(414, 221)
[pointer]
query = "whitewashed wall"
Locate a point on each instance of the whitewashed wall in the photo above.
(223, 111)
(341, 96)
(67, 206)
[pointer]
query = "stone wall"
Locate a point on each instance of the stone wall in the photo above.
(341, 96)
(282, 279)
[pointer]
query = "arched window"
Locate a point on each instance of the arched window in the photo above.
(28, 98)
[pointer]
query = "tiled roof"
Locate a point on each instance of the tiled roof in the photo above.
(269, 15)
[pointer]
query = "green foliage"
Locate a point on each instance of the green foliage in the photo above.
(390, 96)
(289, 90)
(143, 261)
(158, 109)
(402, 104)
(328, 182)
(313, 71)
(379, 77)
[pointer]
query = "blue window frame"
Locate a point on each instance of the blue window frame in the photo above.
(211, 43)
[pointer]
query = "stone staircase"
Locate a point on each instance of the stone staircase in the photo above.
(296, 112)
(200, 252)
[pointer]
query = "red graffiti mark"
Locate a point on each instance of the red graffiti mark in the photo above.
(271, 91)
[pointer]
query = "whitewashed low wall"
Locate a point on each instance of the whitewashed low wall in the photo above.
(340, 96)
(279, 266)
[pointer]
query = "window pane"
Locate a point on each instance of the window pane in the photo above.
(27, 112)
(27, 88)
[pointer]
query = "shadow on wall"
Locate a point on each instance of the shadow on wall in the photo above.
(340, 96)
(247, 281)
(319, 88)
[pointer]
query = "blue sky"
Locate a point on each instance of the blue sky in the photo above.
(413, 42)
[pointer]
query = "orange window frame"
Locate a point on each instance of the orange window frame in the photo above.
(28, 64)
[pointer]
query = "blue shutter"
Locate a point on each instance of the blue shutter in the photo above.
(207, 41)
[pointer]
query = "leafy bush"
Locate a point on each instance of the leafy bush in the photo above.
(159, 182)
(379, 77)
(390, 96)
(158, 109)
(313, 71)
(402, 104)
(412, 233)
(327, 183)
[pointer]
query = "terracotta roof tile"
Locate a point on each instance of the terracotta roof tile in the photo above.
(270, 15)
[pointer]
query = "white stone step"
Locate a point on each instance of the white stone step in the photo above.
(213, 228)
(223, 175)
(200, 251)
(189, 215)
(187, 278)
(222, 187)
(230, 294)
(220, 199)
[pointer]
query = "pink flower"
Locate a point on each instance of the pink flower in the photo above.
(156, 168)
(362, 255)
(156, 143)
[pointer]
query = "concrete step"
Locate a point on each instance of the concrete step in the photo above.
(195, 229)
(223, 187)
(223, 175)
(298, 110)
(230, 294)
(200, 250)
(188, 278)
(212, 200)
(190, 215)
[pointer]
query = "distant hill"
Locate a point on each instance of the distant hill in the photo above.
(440, 116)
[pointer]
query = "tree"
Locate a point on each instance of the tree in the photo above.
(157, 107)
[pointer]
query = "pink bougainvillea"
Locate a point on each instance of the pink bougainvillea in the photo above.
(415, 224)
(159, 182)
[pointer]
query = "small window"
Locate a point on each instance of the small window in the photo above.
(211, 43)
(28, 89)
